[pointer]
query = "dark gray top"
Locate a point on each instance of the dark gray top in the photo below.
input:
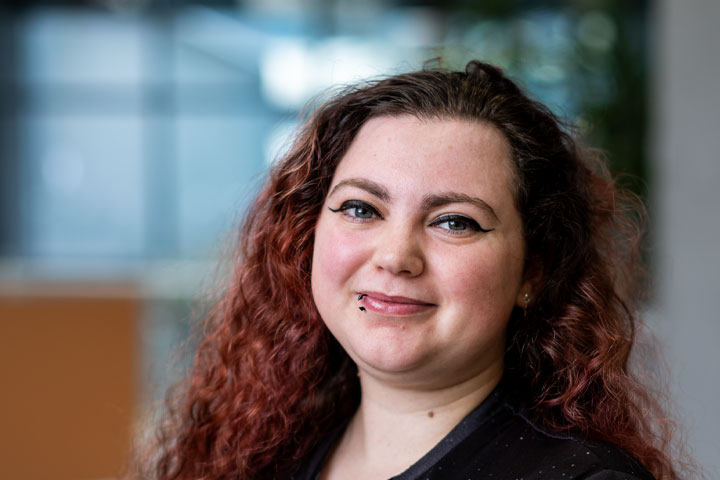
(498, 441)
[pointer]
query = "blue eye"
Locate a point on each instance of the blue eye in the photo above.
(457, 224)
(357, 209)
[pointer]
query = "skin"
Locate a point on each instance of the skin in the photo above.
(421, 224)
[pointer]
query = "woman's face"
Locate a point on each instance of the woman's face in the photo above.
(419, 252)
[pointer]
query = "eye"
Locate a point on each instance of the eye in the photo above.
(457, 224)
(357, 210)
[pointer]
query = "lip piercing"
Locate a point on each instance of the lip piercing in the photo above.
(360, 297)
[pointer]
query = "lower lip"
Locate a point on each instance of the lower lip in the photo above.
(391, 308)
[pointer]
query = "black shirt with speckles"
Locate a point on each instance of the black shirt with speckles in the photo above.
(497, 441)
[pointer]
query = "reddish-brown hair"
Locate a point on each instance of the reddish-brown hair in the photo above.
(269, 380)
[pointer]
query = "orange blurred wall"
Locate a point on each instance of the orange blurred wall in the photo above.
(68, 374)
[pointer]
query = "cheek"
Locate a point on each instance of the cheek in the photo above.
(488, 280)
(336, 257)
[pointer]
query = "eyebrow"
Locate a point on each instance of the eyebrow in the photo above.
(440, 199)
(429, 202)
(369, 186)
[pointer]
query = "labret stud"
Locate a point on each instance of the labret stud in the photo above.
(360, 297)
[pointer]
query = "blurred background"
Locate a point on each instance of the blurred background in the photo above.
(134, 132)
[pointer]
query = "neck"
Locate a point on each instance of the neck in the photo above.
(395, 426)
(431, 412)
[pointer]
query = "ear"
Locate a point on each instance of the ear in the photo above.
(533, 275)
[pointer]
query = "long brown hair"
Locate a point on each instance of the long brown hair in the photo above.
(269, 380)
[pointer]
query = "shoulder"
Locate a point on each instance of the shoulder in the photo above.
(573, 456)
(510, 446)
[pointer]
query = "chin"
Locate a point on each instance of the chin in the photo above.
(384, 358)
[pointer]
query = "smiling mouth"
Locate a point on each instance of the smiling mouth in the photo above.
(393, 305)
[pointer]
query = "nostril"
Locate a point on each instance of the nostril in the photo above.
(399, 252)
(405, 264)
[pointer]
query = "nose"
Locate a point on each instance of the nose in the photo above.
(399, 251)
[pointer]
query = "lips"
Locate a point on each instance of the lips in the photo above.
(393, 305)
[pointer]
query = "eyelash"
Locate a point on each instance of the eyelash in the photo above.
(468, 222)
(357, 204)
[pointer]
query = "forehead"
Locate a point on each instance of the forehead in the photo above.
(435, 153)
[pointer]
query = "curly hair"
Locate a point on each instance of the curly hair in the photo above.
(269, 380)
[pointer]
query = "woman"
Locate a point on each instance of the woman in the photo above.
(434, 283)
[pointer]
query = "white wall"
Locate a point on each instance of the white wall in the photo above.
(685, 209)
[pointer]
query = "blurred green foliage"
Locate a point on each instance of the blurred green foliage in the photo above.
(586, 59)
